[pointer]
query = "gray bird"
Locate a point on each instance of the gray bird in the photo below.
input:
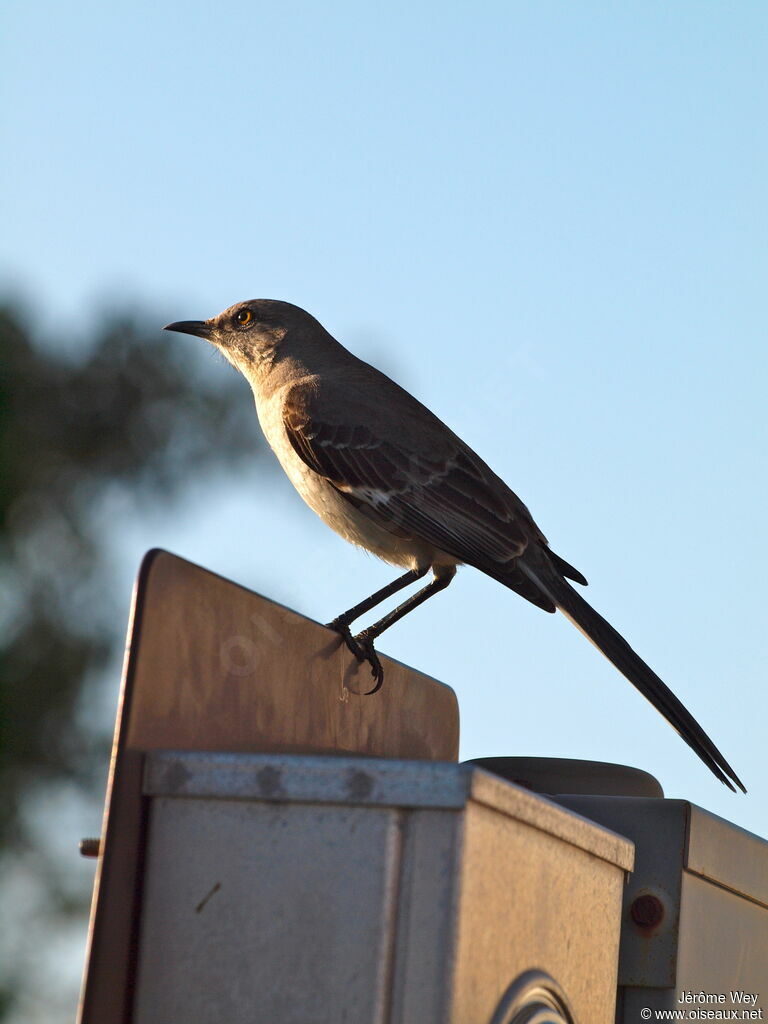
(384, 472)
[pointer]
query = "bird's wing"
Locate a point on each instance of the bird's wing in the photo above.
(407, 470)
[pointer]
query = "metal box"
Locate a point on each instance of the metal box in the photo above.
(695, 920)
(315, 890)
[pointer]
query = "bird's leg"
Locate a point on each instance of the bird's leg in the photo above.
(342, 622)
(443, 577)
(364, 640)
(363, 649)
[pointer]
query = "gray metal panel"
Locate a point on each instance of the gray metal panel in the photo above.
(536, 810)
(723, 949)
(369, 782)
(426, 917)
(659, 829)
(632, 1001)
(232, 888)
(728, 855)
(528, 901)
(711, 878)
(291, 779)
(724, 943)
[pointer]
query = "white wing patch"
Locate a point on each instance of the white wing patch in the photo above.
(370, 495)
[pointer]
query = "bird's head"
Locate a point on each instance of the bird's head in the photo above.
(251, 334)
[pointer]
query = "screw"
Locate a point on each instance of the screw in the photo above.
(647, 911)
(90, 847)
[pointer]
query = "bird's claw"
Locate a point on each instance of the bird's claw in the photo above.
(368, 653)
(362, 648)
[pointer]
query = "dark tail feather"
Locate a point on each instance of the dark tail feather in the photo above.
(617, 650)
(566, 569)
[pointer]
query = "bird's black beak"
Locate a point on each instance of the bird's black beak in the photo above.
(200, 328)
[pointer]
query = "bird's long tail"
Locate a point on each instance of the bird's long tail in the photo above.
(617, 650)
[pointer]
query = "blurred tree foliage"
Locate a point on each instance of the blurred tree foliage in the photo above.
(129, 411)
(135, 410)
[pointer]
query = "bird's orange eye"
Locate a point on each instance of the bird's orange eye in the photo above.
(244, 317)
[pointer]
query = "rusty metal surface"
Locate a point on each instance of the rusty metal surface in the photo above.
(212, 666)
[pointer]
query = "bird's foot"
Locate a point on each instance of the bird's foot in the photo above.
(362, 648)
(365, 644)
(341, 627)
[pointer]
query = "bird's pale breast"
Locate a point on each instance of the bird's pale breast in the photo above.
(335, 510)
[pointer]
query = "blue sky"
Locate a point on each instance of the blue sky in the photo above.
(548, 220)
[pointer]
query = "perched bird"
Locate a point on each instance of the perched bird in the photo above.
(384, 472)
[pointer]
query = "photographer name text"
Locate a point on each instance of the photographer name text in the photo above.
(736, 996)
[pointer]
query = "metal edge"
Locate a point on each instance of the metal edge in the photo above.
(372, 782)
(92, 1004)
(542, 813)
(293, 778)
